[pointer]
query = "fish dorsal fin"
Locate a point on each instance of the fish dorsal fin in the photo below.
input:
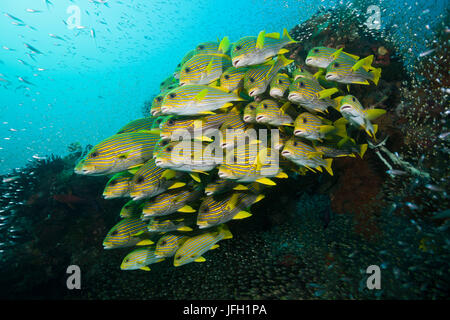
(285, 106)
(224, 44)
(365, 62)
(260, 39)
(232, 203)
(201, 95)
(209, 66)
(337, 53)
(273, 35)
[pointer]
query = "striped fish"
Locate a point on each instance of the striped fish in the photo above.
(125, 233)
(279, 85)
(168, 82)
(140, 259)
(232, 79)
(249, 163)
(352, 110)
(197, 99)
(346, 70)
(131, 209)
(268, 112)
(314, 127)
(232, 205)
(184, 127)
(138, 125)
(258, 78)
(187, 56)
(220, 186)
(249, 115)
(194, 247)
(321, 57)
(118, 186)
(232, 127)
(305, 155)
(204, 68)
(256, 50)
(168, 244)
(118, 153)
(207, 47)
(189, 156)
(148, 181)
(176, 222)
(311, 95)
(156, 104)
(170, 201)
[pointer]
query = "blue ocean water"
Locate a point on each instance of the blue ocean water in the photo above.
(95, 77)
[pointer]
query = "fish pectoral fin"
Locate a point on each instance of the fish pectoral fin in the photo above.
(187, 209)
(367, 61)
(184, 228)
(201, 95)
(314, 154)
(372, 114)
(200, 171)
(145, 268)
(361, 82)
(259, 198)
(168, 174)
(200, 259)
(337, 53)
(326, 129)
(232, 203)
(326, 93)
(194, 175)
(145, 242)
(227, 105)
(203, 138)
(240, 187)
(242, 215)
(214, 247)
(281, 175)
(206, 112)
(177, 185)
(266, 181)
(283, 51)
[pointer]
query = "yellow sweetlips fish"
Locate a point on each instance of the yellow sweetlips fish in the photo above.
(305, 155)
(118, 153)
(249, 164)
(333, 152)
(208, 47)
(118, 186)
(232, 79)
(140, 258)
(185, 127)
(194, 247)
(125, 233)
(231, 127)
(321, 57)
(167, 83)
(138, 125)
(197, 100)
(313, 127)
(174, 223)
(171, 201)
(148, 181)
(279, 85)
(204, 68)
(345, 70)
(131, 209)
(311, 95)
(186, 57)
(256, 50)
(258, 78)
(268, 112)
(189, 156)
(232, 205)
(352, 110)
(249, 115)
(168, 244)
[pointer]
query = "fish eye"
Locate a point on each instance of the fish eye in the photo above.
(114, 233)
(336, 65)
(178, 65)
(316, 50)
(226, 76)
(353, 99)
(252, 107)
(237, 48)
(126, 260)
(163, 143)
(163, 242)
(280, 81)
(305, 120)
(94, 154)
(302, 84)
(158, 99)
(251, 79)
(178, 258)
(122, 156)
(113, 183)
(140, 179)
(264, 106)
(201, 47)
(187, 69)
(169, 149)
(295, 143)
(170, 122)
(172, 95)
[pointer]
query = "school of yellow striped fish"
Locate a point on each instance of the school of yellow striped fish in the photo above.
(180, 201)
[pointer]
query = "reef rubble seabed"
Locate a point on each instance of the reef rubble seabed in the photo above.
(318, 247)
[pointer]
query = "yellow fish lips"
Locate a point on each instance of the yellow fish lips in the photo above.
(86, 168)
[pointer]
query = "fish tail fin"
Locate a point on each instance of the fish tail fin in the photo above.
(376, 75)
(286, 36)
(328, 166)
(225, 231)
